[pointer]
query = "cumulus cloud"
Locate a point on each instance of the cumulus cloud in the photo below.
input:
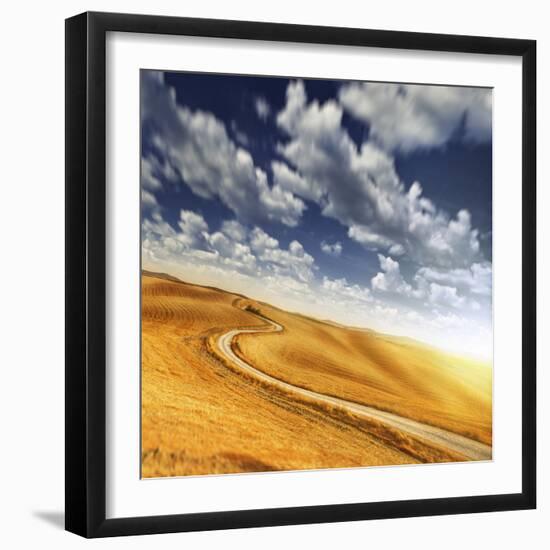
(277, 204)
(152, 169)
(193, 230)
(149, 180)
(476, 279)
(391, 280)
(262, 107)
(148, 200)
(359, 187)
(234, 229)
(260, 240)
(286, 285)
(234, 254)
(191, 242)
(198, 146)
(408, 117)
(342, 288)
(234, 246)
(334, 249)
(240, 136)
(191, 223)
(445, 296)
(453, 288)
(291, 181)
(294, 261)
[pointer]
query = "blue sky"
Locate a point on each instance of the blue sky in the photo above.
(365, 203)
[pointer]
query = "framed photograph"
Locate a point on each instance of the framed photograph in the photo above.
(300, 274)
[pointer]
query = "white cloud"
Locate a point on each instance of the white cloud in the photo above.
(408, 117)
(291, 181)
(161, 241)
(221, 243)
(157, 226)
(148, 200)
(334, 249)
(284, 284)
(262, 107)
(476, 279)
(373, 241)
(360, 188)
(151, 171)
(234, 229)
(240, 136)
(233, 247)
(191, 223)
(294, 261)
(234, 254)
(396, 250)
(343, 289)
(390, 279)
(277, 203)
(148, 178)
(445, 296)
(260, 240)
(197, 144)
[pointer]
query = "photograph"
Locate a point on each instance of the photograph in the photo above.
(316, 273)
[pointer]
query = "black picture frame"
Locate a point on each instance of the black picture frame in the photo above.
(86, 274)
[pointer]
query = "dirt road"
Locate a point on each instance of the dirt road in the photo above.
(469, 448)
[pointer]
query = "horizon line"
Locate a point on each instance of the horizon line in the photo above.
(412, 340)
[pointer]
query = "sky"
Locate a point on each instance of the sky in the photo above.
(364, 203)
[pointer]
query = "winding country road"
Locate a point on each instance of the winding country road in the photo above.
(469, 448)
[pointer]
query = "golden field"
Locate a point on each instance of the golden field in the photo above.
(388, 373)
(202, 415)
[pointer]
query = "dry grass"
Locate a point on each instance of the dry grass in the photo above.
(201, 416)
(393, 374)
